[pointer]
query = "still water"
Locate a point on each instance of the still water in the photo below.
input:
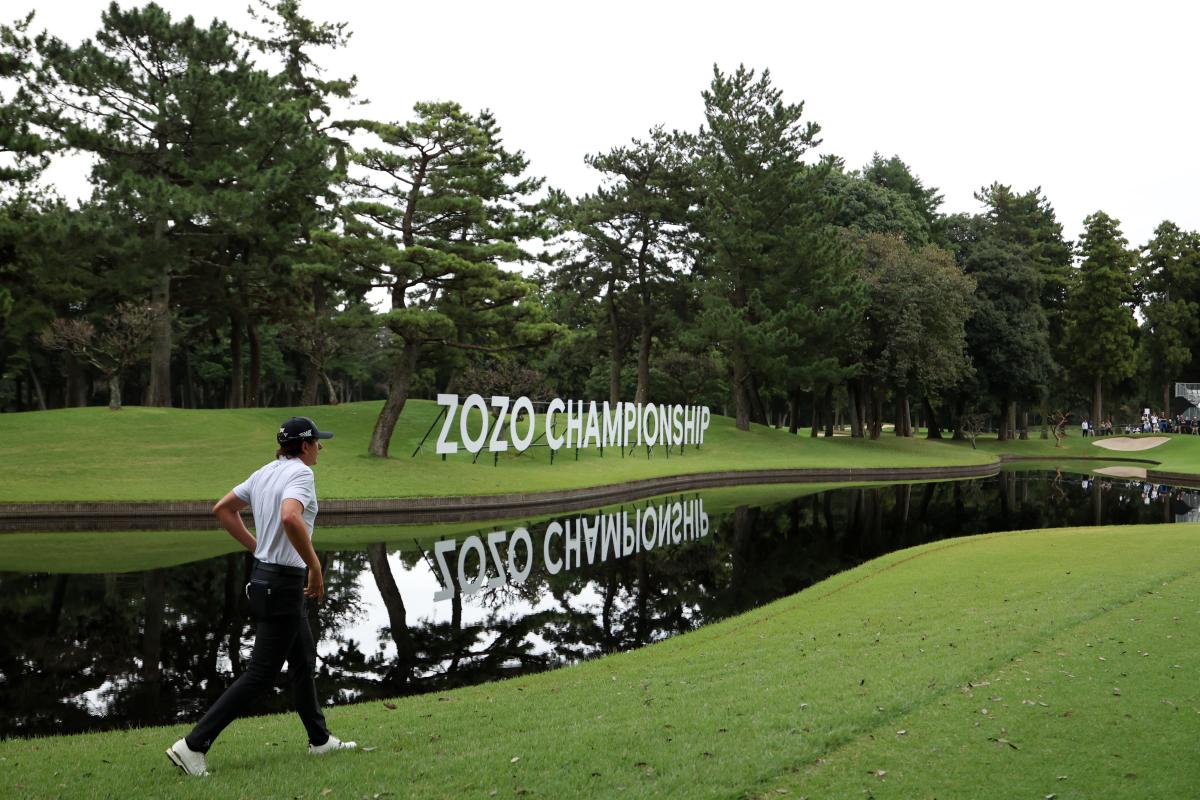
(404, 615)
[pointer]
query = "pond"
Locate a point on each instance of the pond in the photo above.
(407, 614)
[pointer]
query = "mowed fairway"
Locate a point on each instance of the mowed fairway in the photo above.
(177, 454)
(1060, 662)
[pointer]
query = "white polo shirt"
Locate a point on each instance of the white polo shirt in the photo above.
(265, 491)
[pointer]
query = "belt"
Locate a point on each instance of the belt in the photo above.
(280, 569)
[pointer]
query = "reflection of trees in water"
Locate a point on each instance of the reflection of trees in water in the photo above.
(83, 652)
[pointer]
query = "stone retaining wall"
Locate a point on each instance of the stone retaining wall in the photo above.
(184, 515)
(99, 515)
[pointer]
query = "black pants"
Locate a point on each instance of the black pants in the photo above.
(277, 602)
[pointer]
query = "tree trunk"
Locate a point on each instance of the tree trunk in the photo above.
(333, 395)
(864, 406)
(158, 393)
(903, 421)
(316, 359)
(1011, 414)
(643, 364)
(114, 392)
(829, 410)
(816, 415)
(852, 406)
(189, 380)
(644, 319)
(312, 381)
(616, 349)
(758, 410)
(614, 371)
(389, 415)
(933, 425)
(235, 360)
(876, 411)
(254, 400)
(393, 602)
(78, 385)
(1025, 424)
(36, 386)
(741, 392)
(1097, 406)
(960, 408)
(1167, 400)
(793, 411)
(155, 582)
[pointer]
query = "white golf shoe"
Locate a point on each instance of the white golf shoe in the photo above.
(334, 743)
(187, 759)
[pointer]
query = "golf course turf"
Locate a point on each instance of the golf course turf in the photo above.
(176, 454)
(141, 454)
(1026, 664)
(1017, 665)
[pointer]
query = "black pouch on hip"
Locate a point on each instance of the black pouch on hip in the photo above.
(258, 593)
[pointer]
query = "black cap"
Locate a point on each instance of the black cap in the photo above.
(300, 429)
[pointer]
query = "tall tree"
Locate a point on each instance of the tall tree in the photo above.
(750, 153)
(23, 150)
(1028, 221)
(915, 331)
(1022, 223)
(1007, 330)
(433, 215)
(1100, 322)
(632, 244)
(162, 104)
(865, 207)
(305, 251)
(1170, 278)
(895, 175)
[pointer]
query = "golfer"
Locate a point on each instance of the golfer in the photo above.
(283, 498)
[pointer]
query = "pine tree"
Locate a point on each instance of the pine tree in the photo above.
(433, 214)
(1099, 305)
(749, 169)
(1170, 279)
(164, 105)
(631, 246)
(1007, 333)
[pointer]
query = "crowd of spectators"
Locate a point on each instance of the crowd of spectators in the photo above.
(1151, 423)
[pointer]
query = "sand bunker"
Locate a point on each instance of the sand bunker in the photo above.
(1125, 444)
(1122, 472)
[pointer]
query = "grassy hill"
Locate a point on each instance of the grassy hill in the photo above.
(177, 454)
(1048, 663)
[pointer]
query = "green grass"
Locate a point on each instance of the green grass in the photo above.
(175, 454)
(75, 552)
(803, 697)
(1180, 454)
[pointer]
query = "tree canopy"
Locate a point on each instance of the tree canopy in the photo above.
(276, 245)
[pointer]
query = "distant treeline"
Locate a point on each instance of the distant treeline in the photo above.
(249, 243)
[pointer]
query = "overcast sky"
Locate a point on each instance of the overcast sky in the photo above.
(1094, 102)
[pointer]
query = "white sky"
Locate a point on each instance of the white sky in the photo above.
(1091, 101)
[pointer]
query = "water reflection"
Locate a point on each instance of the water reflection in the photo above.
(87, 652)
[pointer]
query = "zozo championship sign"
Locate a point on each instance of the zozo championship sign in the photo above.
(587, 424)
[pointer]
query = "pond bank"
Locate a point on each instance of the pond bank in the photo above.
(119, 515)
(1037, 658)
(457, 508)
